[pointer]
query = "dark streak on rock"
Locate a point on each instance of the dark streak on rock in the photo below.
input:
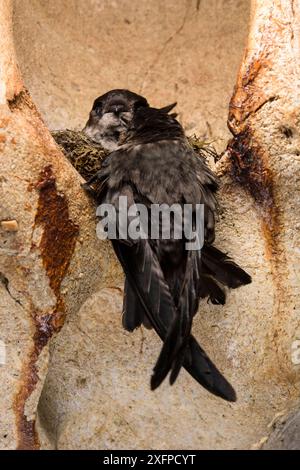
(249, 163)
(248, 96)
(287, 132)
(20, 101)
(56, 247)
(59, 236)
(250, 169)
(5, 282)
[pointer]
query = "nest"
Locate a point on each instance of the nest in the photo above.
(86, 156)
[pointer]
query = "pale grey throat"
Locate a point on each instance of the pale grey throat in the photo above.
(107, 129)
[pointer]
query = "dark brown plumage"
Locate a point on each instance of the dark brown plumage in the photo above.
(153, 163)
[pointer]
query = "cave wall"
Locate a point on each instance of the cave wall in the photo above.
(185, 51)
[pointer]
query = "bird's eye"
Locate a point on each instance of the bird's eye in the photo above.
(98, 110)
(140, 104)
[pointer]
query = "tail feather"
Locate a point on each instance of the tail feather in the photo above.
(223, 268)
(168, 354)
(210, 287)
(133, 311)
(194, 358)
(206, 373)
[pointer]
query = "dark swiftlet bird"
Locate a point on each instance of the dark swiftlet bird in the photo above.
(151, 162)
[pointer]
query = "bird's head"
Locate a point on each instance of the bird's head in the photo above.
(111, 115)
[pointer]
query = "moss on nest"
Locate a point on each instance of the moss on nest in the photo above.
(86, 156)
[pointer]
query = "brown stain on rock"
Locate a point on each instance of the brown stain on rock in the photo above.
(249, 163)
(244, 101)
(56, 247)
(21, 101)
(4, 121)
(249, 168)
(59, 235)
